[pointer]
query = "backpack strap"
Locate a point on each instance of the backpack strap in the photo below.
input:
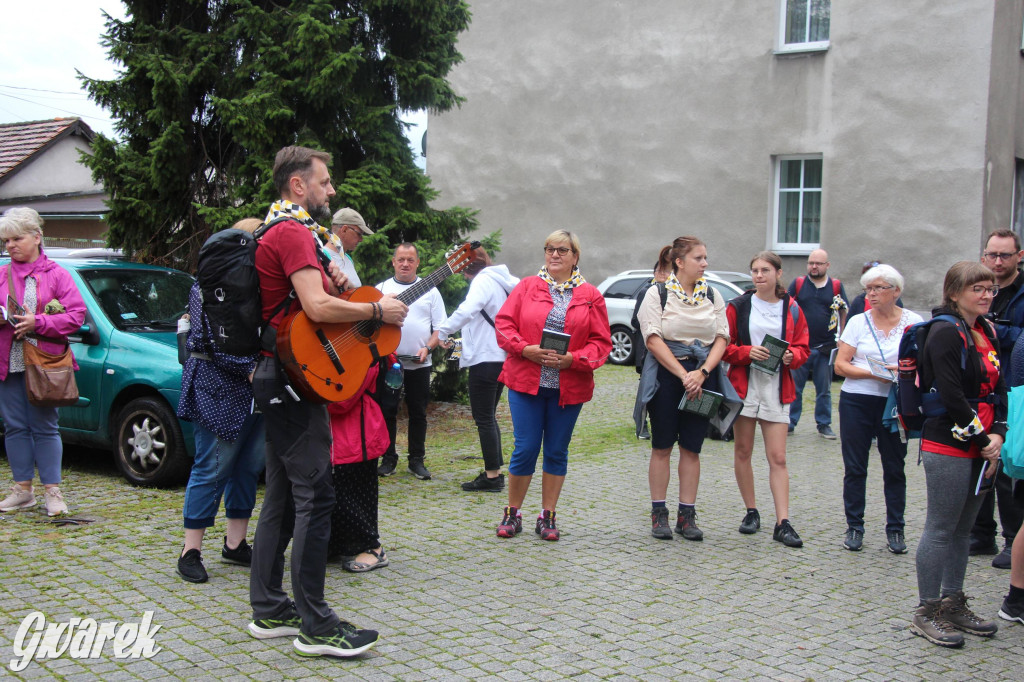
(836, 285)
(487, 317)
(662, 293)
(798, 285)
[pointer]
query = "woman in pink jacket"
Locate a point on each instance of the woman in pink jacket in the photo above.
(41, 286)
(547, 389)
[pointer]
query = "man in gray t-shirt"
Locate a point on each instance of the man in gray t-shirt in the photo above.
(350, 228)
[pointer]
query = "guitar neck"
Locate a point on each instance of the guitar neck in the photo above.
(425, 284)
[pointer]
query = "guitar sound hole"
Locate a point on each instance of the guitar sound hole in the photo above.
(367, 328)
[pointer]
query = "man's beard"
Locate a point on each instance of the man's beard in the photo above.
(321, 214)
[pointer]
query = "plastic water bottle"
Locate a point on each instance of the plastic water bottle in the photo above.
(184, 325)
(393, 377)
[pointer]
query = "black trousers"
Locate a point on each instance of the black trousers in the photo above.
(417, 395)
(1011, 512)
(484, 394)
(354, 520)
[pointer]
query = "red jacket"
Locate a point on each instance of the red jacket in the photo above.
(519, 324)
(737, 354)
(357, 426)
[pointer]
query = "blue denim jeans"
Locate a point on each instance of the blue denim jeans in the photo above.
(817, 367)
(31, 438)
(538, 419)
(228, 469)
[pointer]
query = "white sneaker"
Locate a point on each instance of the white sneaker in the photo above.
(18, 499)
(55, 502)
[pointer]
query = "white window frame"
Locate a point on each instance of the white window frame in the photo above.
(794, 248)
(787, 48)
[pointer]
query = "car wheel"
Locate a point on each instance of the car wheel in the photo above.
(622, 346)
(149, 447)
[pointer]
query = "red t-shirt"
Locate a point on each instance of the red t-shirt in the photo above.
(284, 250)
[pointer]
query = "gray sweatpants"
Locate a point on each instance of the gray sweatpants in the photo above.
(943, 550)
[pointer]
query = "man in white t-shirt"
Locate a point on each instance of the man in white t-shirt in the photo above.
(419, 338)
(350, 228)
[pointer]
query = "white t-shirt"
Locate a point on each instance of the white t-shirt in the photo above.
(425, 315)
(347, 267)
(765, 318)
(858, 334)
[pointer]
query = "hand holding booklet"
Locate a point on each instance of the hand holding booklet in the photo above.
(12, 308)
(706, 405)
(556, 341)
(776, 347)
(879, 369)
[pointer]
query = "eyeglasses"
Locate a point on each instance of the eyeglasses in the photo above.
(817, 263)
(992, 255)
(875, 290)
(980, 289)
(871, 264)
(560, 250)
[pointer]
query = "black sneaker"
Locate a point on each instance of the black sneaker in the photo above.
(786, 534)
(1002, 560)
(897, 545)
(1012, 611)
(751, 522)
(419, 470)
(268, 628)
(826, 432)
(686, 525)
(659, 524)
(240, 556)
(855, 540)
(983, 546)
(346, 642)
(190, 567)
(387, 466)
(484, 484)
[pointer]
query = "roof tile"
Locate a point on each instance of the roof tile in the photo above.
(19, 141)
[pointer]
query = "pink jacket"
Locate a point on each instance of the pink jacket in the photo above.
(519, 324)
(357, 426)
(52, 282)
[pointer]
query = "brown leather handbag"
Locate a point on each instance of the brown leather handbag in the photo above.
(49, 378)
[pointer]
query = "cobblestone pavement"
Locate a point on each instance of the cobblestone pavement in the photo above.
(607, 602)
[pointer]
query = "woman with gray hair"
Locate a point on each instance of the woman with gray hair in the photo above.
(867, 356)
(53, 308)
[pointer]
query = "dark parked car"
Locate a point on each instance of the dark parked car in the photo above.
(129, 378)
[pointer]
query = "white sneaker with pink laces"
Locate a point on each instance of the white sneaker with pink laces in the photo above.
(55, 502)
(18, 499)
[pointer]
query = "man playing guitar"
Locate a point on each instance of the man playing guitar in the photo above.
(299, 493)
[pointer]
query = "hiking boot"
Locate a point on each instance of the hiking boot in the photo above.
(1012, 611)
(959, 615)
(826, 432)
(346, 642)
(659, 524)
(387, 465)
(511, 523)
(484, 484)
(751, 522)
(54, 500)
(269, 628)
(18, 499)
(1002, 560)
(546, 526)
(240, 556)
(983, 546)
(855, 540)
(786, 534)
(686, 524)
(190, 567)
(930, 623)
(418, 469)
(897, 545)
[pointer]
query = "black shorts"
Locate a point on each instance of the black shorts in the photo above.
(669, 424)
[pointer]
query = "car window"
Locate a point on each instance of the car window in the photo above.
(135, 299)
(625, 288)
(724, 290)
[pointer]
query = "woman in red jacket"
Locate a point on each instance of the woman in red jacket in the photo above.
(547, 389)
(765, 311)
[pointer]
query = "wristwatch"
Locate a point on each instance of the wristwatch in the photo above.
(705, 372)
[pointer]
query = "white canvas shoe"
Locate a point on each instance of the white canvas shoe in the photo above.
(55, 502)
(18, 499)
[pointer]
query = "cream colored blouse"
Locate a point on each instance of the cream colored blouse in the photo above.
(682, 322)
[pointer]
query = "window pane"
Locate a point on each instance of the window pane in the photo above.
(796, 21)
(790, 174)
(811, 232)
(789, 217)
(812, 173)
(821, 12)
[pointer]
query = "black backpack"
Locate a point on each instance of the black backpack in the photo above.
(230, 289)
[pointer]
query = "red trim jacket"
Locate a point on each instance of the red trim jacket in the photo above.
(519, 324)
(737, 354)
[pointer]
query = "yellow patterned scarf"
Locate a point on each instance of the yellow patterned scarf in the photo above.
(837, 304)
(575, 279)
(700, 290)
(287, 209)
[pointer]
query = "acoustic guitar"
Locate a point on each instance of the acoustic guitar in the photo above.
(327, 362)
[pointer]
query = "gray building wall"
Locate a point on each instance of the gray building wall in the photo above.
(632, 123)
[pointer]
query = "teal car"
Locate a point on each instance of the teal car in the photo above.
(129, 379)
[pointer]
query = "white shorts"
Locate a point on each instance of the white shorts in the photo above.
(762, 401)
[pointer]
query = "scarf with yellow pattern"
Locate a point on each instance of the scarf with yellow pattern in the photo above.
(700, 290)
(575, 279)
(287, 209)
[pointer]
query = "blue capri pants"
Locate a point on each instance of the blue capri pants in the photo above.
(31, 438)
(538, 419)
(231, 469)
